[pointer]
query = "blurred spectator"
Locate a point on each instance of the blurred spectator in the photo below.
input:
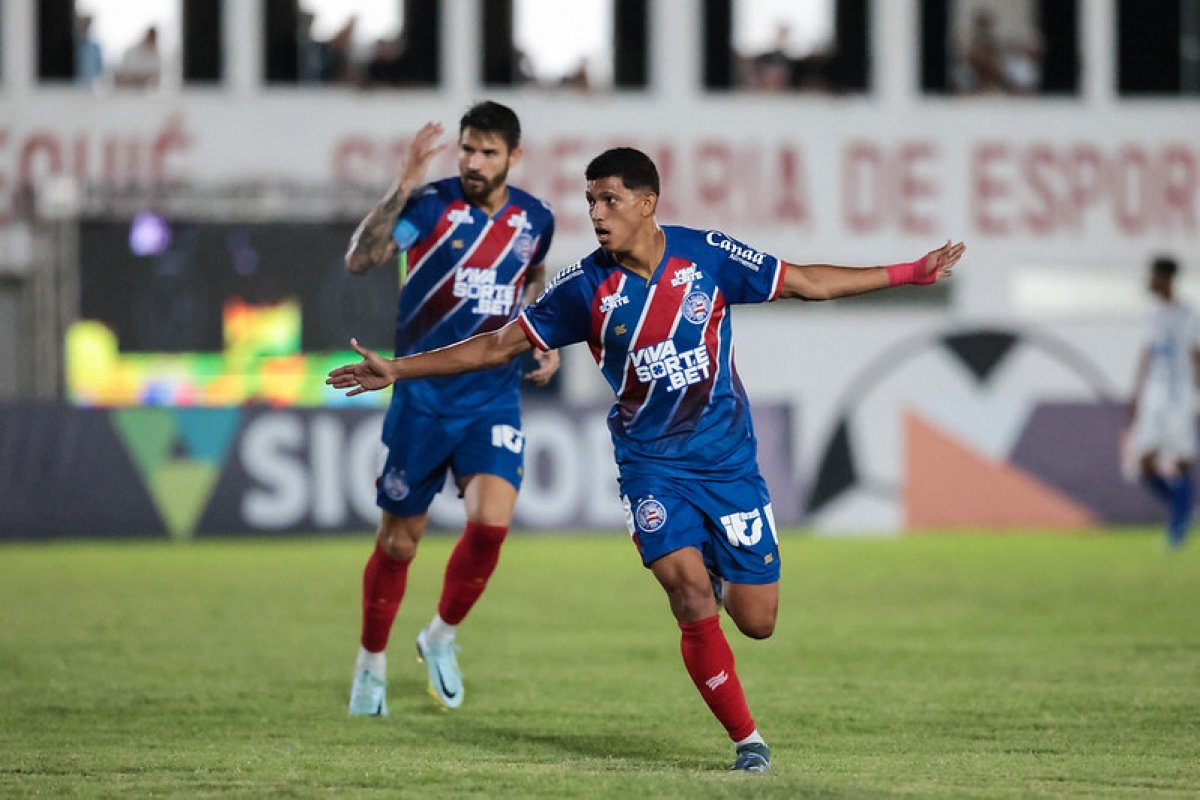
(523, 72)
(777, 70)
(990, 66)
(141, 66)
(983, 71)
(1023, 65)
(390, 63)
(771, 71)
(577, 78)
(310, 54)
(814, 72)
(338, 65)
(89, 61)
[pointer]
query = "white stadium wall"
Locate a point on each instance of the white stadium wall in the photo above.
(1063, 191)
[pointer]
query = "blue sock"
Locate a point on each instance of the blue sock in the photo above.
(1155, 483)
(1183, 494)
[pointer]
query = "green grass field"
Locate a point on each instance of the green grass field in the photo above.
(971, 666)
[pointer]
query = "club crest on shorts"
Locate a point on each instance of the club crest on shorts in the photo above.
(394, 484)
(651, 515)
(697, 307)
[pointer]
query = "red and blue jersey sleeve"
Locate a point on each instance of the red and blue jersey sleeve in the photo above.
(418, 218)
(562, 315)
(745, 274)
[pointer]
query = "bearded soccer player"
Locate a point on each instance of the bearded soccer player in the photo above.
(475, 248)
(653, 304)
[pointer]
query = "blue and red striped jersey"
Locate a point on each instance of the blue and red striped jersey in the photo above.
(466, 273)
(664, 346)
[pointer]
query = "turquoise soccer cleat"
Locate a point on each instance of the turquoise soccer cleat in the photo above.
(445, 678)
(753, 757)
(368, 696)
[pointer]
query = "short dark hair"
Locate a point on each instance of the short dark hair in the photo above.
(632, 166)
(489, 117)
(1165, 266)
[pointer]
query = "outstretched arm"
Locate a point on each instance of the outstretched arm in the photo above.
(372, 243)
(470, 355)
(827, 282)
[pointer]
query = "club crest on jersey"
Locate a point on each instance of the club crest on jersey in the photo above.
(520, 222)
(394, 484)
(746, 256)
(697, 307)
(651, 515)
(523, 246)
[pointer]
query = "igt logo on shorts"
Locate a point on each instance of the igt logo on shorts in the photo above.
(508, 437)
(744, 528)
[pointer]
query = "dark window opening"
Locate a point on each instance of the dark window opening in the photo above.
(821, 46)
(1158, 47)
(323, 44)
(1000, 47)
(584, 45)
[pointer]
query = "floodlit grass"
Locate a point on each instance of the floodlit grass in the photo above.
(953, 666)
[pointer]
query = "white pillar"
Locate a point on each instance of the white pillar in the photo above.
(460, 51)
(18, 26)
(895, 45)
(1098, 52)
(675, 63)
(245, 51)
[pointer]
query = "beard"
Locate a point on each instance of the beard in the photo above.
(483, 189)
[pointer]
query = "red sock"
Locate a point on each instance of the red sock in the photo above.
(467, 572)
(384, 580)
(709, 661)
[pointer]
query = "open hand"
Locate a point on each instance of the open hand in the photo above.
(373, 372)
(421, 150)
(939, 264)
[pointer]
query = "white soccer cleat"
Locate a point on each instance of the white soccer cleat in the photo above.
(445, 678)
(368, 695)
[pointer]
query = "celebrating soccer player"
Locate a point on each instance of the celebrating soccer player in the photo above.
(653, 303)
(475, 249)
(1163, 408)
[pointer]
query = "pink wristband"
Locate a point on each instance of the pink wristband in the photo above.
(899, 274)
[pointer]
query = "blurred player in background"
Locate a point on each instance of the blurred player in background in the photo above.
(653, 304)
(1162, 410)
(475, 250)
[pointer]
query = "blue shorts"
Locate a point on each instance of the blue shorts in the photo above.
(422, 447)
(729, 522)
